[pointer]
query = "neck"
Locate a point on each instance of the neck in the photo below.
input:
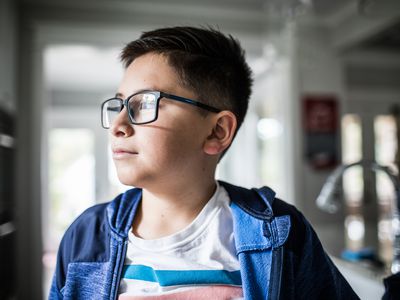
(166, 210)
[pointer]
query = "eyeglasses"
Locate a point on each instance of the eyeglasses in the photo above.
(142, 107)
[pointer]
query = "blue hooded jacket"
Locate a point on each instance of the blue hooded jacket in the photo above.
(279, 253)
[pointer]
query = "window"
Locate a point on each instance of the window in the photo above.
(385, 130)
(71, 186)
(353, 182)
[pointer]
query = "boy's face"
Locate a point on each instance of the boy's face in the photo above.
(168, 150)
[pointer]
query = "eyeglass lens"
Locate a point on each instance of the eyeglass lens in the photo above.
(142, 109)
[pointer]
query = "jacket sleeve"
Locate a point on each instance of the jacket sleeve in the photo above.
(54, 291)
(86, 240)
(306, 265)
(61, 266)
(392, 287)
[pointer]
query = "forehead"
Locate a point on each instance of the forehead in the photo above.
(150, 71)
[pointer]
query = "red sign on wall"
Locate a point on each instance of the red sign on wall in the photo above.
(320, 122)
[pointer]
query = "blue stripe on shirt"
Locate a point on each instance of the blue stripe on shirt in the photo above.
(181, 277)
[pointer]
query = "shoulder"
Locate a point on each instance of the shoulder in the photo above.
(281, 208)
(300, 227)
(88, 237)
(95, 212)
(262, 204)
(83, 241)
(304, 260)
(90, 220)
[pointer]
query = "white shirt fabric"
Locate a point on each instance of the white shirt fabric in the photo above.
(198, 262)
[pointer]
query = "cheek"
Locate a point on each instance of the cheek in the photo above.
(165, 148)
(172, 147)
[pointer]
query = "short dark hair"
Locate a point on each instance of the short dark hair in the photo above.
(208, 62)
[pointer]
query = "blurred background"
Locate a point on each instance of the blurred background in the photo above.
(326, 93)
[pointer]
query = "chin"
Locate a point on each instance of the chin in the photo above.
(130, 180)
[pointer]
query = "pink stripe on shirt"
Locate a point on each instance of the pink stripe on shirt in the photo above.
(221, 292)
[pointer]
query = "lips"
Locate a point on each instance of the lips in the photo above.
(119, 153)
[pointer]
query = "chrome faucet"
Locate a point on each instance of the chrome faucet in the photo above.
(327, 200)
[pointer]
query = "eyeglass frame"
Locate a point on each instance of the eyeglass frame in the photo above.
(158, 95)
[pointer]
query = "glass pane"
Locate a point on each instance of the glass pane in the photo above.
(385, 153)
(71, 186)
(353, 183)
(351, 139)
(385, 130)
(71, 177)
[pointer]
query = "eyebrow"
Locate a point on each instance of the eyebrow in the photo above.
(119, 95)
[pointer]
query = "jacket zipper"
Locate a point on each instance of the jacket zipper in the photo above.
(276, 274)
(119, 264)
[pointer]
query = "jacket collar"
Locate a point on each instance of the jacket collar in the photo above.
(122, 210)
(255, 202)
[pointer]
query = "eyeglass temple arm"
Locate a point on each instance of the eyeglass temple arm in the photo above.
(190, 101)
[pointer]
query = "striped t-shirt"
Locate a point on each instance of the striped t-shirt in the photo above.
(198, 262)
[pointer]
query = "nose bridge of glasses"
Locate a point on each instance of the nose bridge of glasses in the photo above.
(120, 116)
(125, 105)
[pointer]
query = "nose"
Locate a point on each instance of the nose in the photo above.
(121, 127)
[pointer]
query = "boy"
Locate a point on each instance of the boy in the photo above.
(180, 234)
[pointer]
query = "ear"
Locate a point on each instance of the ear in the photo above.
(222, 133)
